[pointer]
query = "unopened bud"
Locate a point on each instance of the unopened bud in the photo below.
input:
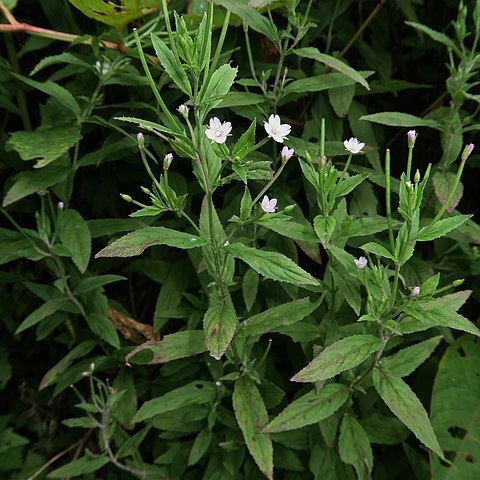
(308, 157)
(183, 110)
(457, 283)
(146, 190)
(323, 160)
(140, 140)
(289, 208)
(415, 291)
(416, 178)
(408, 184)
(60, 205)
(167, 161)
(92, 366)
(467, 151)
(411, 136)
(126, 197)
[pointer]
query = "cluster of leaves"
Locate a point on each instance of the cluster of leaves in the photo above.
(279, 350)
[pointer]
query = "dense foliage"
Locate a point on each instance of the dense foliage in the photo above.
(239, 239)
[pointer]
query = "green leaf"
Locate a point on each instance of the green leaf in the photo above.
(285, 314)
(79, 351)
(354, 447)
(245, 142)
(172, 347)
(218, 86)
(318, 83)
(62, 95)
(434, 35)
(28, 183)
(92, 283)
(250, 288)
(75, 236)
(310, 409)
(61, 58)
(219, 324)
(272, 265)
(137, 242)
(173, 68)
(241, 99)
(253, 19)
(384, 430)
(252, 417)
(294, 230)
(441, 228)
(132, 444)
(347, 185)
(398, 119)
(102, 326)
(341, 99)
(407, 360)
(194, 393)
(81, 466)
(324, 226)
(45, 145)
(443, 183)
(377, 249)
(333, 63)
(455, 411)
(361, 227)
(338, 357)
(200, 446)
(403, 402)
(48, 308)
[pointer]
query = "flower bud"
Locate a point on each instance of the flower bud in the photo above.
(408, 184)
(416, 178)
(183, 110)
(467, 151)
(146, 190)
(167, 161)
(60, 205)
(289, 208)
(323, 160)
(140, 140)
(126, 197)
(411, 136)
(415, 291)
(457, 283)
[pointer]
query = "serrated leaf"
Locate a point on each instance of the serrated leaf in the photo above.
(44, 311)
(272, 265)
(434, 35)
(318, 83)
(443, 183)
(28, 183)
(250, 288)
(79, 351)
(252, 417)
(173, 68)
(245, 142)
(338, 357)
(75, 237)
(384, 430)
(45, 145)
(218, 86)
(332, 62)
(407, 360)
(403, 402)
(137, 242)
(377, 249)
(285, 314)
(219, 324)
(455, 411)
(103, 327)
(172, 347)
(354, 447)
(81, 466)
(310, 408)
(399, 119)
(441, 228)
(89, 284)
(194, 393)
(60, 58)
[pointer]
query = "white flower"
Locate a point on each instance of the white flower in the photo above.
(268, 206)
(353, 145)
(183, 110)
(167, 161)
(140, 140)
(218, 131)
(104, 68)
(408, 184)
(467, 151)
(275, 129)
(415, 291)
(60, 205)
(411, 136)
(361, 262)
(287, 153)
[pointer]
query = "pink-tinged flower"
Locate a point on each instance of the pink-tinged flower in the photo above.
(167, 161)
(361, 262)
(218, 132)
(269, 206)
(467, 151)
(276, 130)
(411, 137)
(415, 291)
(183, 110)
(140, 140)
(323, 160)
(60, 205)
(353, 145)
(287, 153)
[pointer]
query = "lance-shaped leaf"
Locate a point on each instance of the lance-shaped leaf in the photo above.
(455, 410)
(443, 183)
(252, 417)
(172, 347)
(75, 236)
(219, 324)
(136, 242)
(441, 228)
(218, 86)
(272, 265)
(338, 357)
(81, 466)
(354, 447)
(285, 314)
(398, 119)
(406, 406)
(195, 393)
(310, 409)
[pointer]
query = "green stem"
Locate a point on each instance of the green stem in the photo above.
(221, 40)
(409, 163)
(388, 207)
(345, 168)
(173, 44)
(322, 139)
(395, 284)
